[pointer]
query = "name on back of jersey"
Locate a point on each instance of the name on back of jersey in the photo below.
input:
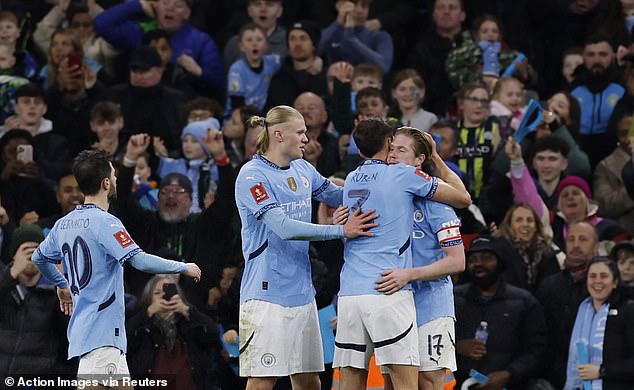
(79, 223)
(361, 177)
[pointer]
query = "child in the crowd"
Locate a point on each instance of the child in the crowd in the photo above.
(10, 65)
(145, 189)
(571, 59)
(234, 131)
(408, 91)
(478, 137)
(106, 121)
(197, 162)
(265, 14)
(250, 76)
(482, 57)
(200, 109)
(448, 145)
(508, 105)
(9, 34)
(623, 255)
(174, 75)
(363, 76)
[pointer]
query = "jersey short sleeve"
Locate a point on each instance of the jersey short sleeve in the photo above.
(116, 240)
(254, 191)
(444, 223)
(415, 181)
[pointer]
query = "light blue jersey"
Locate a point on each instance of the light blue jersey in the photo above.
(435, 226)
(94, 245)
(390, 190)
(278, 270)
(254, 87)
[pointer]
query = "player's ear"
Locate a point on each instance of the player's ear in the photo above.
(105, 184)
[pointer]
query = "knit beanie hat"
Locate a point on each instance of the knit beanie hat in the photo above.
(199, 130)
(574, 181)
(25, 233)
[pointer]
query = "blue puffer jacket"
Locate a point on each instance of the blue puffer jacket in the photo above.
(115, 27)
(596, 108)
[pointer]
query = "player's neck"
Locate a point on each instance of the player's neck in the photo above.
(382, 155)
(100, 200)
(277, 158)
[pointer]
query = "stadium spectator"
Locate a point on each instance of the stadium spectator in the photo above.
(234, 130)
(623, 255)
(408, 92)
(106, 121)
(516, 341)
(10, 35)
(68, 196)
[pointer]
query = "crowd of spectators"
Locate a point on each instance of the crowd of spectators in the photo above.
(145, 79)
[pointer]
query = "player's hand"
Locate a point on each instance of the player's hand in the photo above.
(65, 300)
(497, 380)
(193, 271)
(393, 280)
(340, 216)
(588, 372)
(358, 224)
(471, 348)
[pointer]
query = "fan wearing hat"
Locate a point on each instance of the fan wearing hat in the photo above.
(574, 204)
(193, 49)
(302, 70)
(30, 320)
(515, 322)
(202, 148)
(147, 105)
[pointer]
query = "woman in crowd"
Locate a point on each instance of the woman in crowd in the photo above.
(603, 332)
(534, 257)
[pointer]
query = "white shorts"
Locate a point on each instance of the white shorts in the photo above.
(279, 341)
(436, 345)
(381, 324)
(103, 363)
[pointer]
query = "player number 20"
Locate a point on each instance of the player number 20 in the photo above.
(77, 281)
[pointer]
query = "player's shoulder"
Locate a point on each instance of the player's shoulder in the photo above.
(251, 170)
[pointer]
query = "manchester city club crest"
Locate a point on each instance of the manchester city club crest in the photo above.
(291, 183)
(418, 216)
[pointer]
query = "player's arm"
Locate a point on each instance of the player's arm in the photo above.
(447, 194)
(290, 229)
(48, 269)
(451, 190)
(157, 265)
(393, 280)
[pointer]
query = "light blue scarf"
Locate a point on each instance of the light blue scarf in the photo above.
(589, 331)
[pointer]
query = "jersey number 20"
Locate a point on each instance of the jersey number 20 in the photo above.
(78, 282)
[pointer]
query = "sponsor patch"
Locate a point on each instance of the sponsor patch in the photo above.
(422, 174)
(123, 238)
(259, 193)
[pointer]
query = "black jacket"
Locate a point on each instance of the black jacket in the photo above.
(618, 345)
(32, 330)
(154, 110)
(517, 332)
(198, 334)
(288, 83)
(428, 57)
(561, 297)
(203, 238)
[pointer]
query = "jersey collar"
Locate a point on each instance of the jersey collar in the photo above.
(269, 163)
(374, 161)
(86, 206)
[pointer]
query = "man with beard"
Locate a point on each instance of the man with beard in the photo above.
(94, 246)
(301, 71)
(596, 88)
(561, 294)
(517, 331)
(205, 236)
